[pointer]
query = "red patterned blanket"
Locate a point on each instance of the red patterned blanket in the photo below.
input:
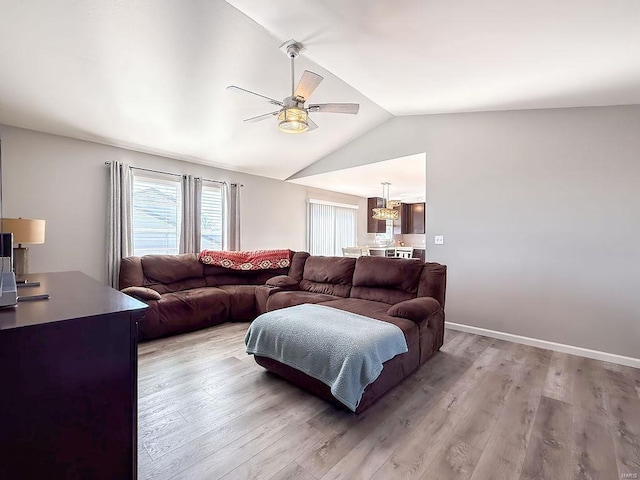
(255, 260)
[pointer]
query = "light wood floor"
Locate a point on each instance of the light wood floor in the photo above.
(479, 409)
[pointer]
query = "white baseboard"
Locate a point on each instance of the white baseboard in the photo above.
(558, 347)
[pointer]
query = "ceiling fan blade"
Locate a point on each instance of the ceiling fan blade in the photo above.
(262, 117)
(308, 83)
(312, 124)
(233, 88)
(335, 108)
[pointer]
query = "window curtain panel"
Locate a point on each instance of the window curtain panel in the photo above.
(120, 240)
(330, 228)
(191, 212)
(231, 223)
(320, 229)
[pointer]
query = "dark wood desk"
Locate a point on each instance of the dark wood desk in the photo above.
(68, 381)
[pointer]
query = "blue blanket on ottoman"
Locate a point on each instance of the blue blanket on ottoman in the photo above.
(341, 349)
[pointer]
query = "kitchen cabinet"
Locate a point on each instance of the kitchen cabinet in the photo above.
(412, 218)
(400, 226)
(375, 226)
(416, 217)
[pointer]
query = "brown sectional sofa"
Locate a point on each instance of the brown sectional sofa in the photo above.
(184, 295)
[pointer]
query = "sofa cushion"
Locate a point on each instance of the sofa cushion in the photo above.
(242, 301)
(171, 268)
(187, 284)
(184, 311)
(296, 268)
(377, 310)
(387, 280)
(328, 275)
(131, 274)
(289, 299)
(143, 293)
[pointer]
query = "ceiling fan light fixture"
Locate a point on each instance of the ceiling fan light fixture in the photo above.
(293, 120)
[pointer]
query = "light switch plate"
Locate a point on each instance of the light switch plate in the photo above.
(439, 239)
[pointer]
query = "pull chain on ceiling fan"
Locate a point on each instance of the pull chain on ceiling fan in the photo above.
(293, 116)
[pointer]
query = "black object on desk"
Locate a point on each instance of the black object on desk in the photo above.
(68, 407)
(33, 298)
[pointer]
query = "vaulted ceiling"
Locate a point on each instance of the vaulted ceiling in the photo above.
(151, 75)
(428, 56)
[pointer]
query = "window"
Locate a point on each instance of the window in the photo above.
(211, 217)
(330, 227)
(157, 203)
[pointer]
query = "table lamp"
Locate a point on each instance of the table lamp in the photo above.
(24, 231)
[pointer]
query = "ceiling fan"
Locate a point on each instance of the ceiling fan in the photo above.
(293, 116)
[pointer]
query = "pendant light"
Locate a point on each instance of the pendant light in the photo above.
(385, 213)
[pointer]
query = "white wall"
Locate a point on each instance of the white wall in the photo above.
(65, 182)
(539, 210)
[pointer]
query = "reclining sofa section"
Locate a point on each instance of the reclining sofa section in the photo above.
(407, 293)
(184, 295)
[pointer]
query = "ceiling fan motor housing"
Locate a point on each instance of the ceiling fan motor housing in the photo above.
(291, 102)
(292, 48)
(296, 102)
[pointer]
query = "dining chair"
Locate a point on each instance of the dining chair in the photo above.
(351, 252)
(404, 252)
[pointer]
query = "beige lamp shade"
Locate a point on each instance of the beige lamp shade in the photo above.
(24, 230)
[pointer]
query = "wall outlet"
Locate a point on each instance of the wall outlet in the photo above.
(439, 239)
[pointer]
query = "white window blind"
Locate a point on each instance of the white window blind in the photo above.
(211, 217)
(157, 203)
(330, 227)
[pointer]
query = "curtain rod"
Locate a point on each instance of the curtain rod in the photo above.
(150, 170)
(172, 174)
(208, 180)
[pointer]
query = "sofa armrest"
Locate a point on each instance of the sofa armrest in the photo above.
(262, 295)
(416, 309)
(284, 282)
(141, 293)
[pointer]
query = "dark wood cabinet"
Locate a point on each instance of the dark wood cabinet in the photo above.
(401, 225)
(416, 218)
(412, 218)
(68, 377)
(375, 226)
